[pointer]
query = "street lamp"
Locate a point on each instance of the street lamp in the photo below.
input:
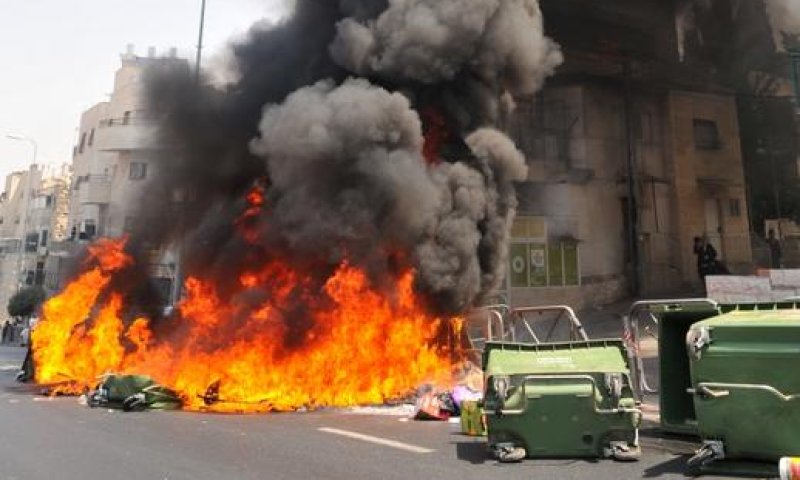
(28, 140)
(26, 195)
(200, 40)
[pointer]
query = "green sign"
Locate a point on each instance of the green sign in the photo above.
(518, 264)
(538, 265)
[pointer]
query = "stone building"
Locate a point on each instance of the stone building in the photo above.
(633, 150)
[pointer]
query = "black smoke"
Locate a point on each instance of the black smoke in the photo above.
(325, 115)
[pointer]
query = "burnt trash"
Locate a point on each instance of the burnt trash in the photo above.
(211, 395)
(132, 393)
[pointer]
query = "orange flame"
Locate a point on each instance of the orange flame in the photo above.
(436, 134)
(356, 345)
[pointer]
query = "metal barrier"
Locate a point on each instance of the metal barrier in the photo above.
(632, 330)
(483, 325)
(576, 327)
(497, 323)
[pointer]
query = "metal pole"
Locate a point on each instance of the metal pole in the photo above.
(633, 200)
(794, 58)
(177, 282)
(200, 40)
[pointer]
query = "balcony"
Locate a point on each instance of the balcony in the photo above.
(123, 134)
(95, 189)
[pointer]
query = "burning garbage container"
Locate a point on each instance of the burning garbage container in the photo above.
(570, 399)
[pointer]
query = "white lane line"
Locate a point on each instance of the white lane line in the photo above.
(380, 441)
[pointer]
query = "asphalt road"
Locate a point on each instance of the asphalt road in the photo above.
(56, 438)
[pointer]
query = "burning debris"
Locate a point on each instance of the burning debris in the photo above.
(329, 229)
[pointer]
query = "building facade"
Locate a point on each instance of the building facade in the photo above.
(33, 220)
(114, 160)
(631, 155)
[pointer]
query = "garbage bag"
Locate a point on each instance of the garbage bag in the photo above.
(132, 392)
(429, 407)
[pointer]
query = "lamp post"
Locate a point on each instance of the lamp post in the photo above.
(26, 195)
(200, 40)
(29, 140)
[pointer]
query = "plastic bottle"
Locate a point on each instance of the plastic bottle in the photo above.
(789, 468)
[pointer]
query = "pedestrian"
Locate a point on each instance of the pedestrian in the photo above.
(774, 249)
(706, 254)
(4, 334)
(698, 252)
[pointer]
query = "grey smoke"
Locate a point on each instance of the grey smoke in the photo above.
(347, 170)
(341, 158)
(502, 42)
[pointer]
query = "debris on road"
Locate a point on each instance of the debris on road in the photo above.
(132, 393)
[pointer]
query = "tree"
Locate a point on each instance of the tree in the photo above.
(25, 302)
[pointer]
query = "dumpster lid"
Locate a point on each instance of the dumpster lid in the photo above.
(754, 318)
(593, 356)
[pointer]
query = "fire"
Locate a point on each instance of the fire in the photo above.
(436, 134)
(340, 344)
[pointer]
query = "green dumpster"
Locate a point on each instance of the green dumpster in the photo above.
(676, 404)
(570, 399)
(745, 383)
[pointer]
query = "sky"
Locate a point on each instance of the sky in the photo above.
(58, 58)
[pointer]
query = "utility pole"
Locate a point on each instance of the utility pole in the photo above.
(177, 286)
(200, 41)
(633, 197)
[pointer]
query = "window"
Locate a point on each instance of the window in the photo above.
(138, 171)
(39, 277)
(706, 135)
(91, 137)
(536, 261)
(89, 230)
(83, 143)
(43, 238)
(735, 207)
(48, 201)
(542, 128)
(126, 118)
(31, 242)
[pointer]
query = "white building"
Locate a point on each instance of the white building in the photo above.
(33, 218)
(114, 160)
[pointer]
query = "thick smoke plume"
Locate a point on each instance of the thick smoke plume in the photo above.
(330, 117)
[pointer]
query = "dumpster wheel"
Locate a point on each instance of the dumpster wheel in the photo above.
(622, 452)
(509, 453)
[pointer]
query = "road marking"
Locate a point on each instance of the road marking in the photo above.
(380, 441)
